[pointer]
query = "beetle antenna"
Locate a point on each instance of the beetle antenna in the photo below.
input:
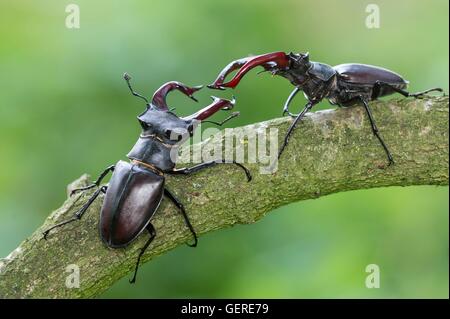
(127, 78)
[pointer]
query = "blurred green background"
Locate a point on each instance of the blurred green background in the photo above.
(65, 110)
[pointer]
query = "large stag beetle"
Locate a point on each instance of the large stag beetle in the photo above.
(343, 85)
(136, 188)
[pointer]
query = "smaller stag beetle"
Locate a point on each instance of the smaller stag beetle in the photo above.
(136, 188)
(343, 85)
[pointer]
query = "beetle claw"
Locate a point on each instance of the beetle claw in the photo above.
(270, 62)
(217, 105)
(73, 192)
(159, 97)
(216, 87)
(194, 244)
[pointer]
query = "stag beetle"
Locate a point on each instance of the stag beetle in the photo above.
(136, 188)
(343, 85)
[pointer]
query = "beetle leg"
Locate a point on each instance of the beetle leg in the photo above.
(196, 168)
(375, 130)
(418, 94)
(78, 214)
(96, 183)
(307, 108)
(379, 84)
(289, 100)
(271, 62)
(233, 115)
(152, 232)
(180, 206)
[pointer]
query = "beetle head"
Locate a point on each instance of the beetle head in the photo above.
(299, 62)
(165, 126)
(159, 122)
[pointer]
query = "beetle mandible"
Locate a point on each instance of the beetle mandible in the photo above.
(343, 85)
(136, 188)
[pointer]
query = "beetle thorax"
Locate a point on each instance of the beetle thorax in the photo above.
(162, 133)
(297, 72)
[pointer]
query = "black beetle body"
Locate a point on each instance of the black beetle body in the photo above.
(132, 198)
(343, 85)
(136, 188)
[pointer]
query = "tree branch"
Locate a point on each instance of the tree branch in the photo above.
(330, 151)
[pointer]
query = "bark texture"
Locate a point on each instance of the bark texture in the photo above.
(330, 151)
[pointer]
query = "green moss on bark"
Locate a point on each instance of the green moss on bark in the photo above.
(330, 151)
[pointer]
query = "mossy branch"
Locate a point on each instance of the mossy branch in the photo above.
(330, 151)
